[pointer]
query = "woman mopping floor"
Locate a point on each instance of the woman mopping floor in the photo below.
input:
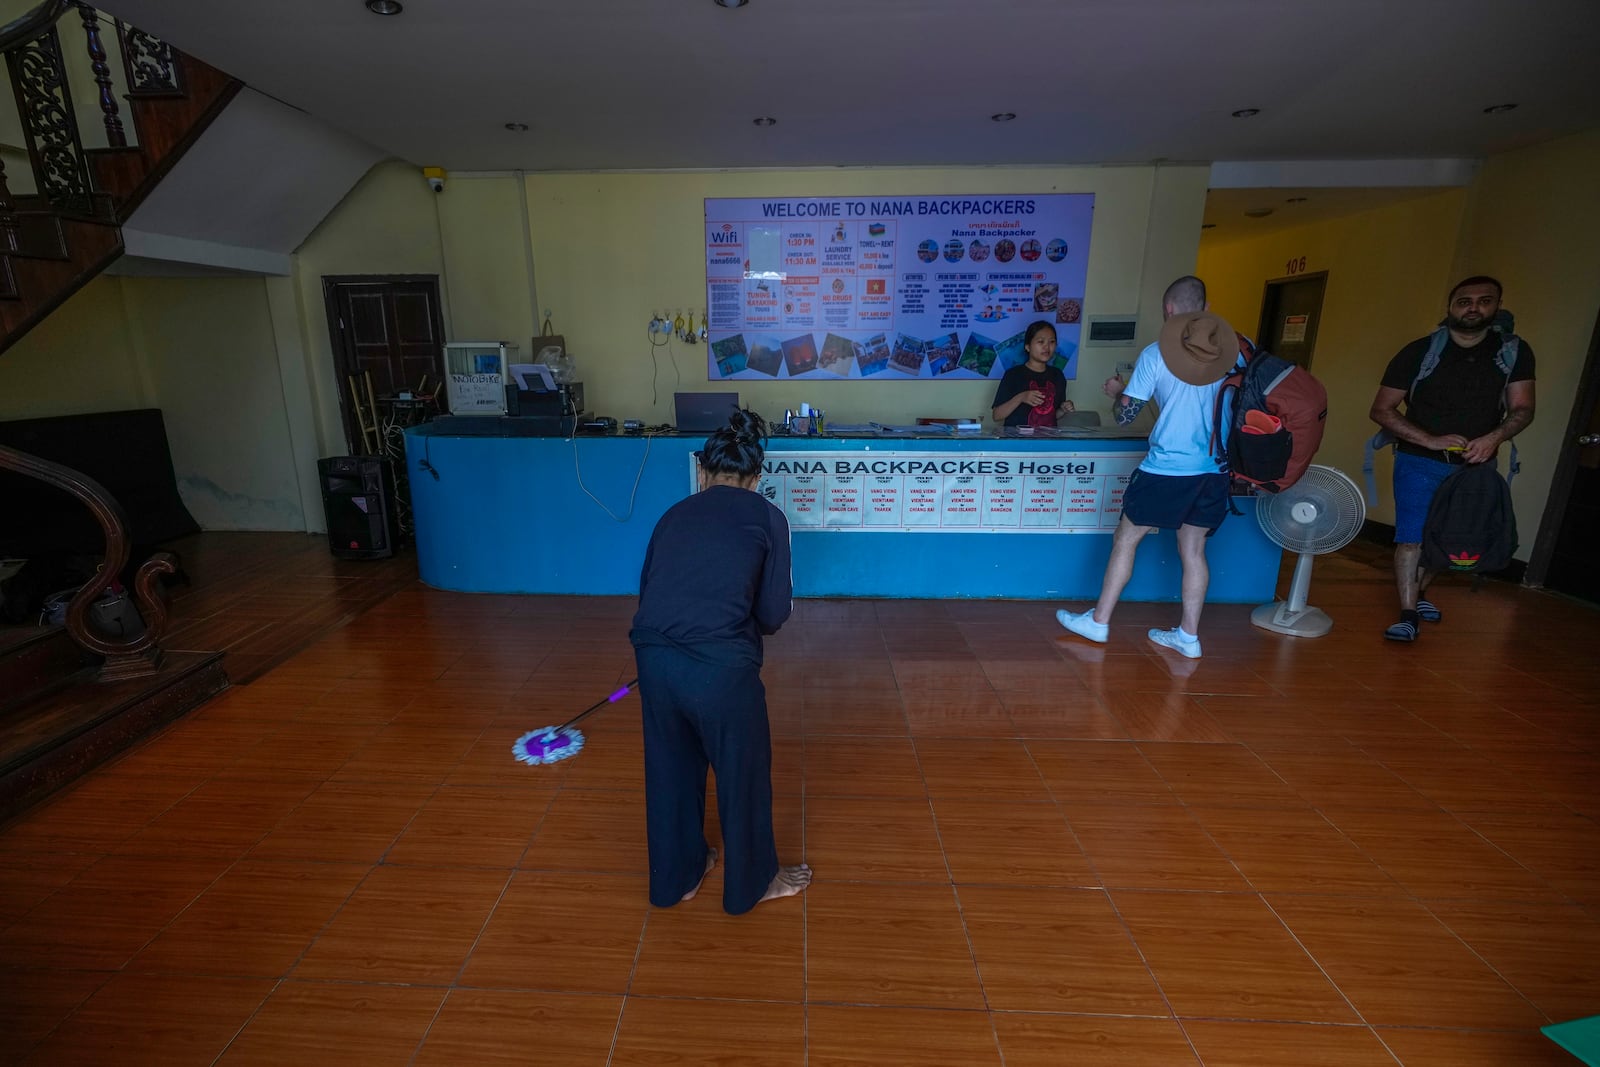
(716, 579)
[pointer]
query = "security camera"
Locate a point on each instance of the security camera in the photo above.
(434, 176)
(436, 184)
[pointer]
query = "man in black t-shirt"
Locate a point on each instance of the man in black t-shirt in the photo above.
(1466, 406)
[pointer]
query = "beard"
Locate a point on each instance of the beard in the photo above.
(1471, 322)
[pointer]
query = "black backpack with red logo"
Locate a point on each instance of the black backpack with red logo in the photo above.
(1471, 526)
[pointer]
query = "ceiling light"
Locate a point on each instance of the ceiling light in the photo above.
(385, 7)
(1002, 116)
(1257, 212)
(1498, 108)
(732, 3)
(1246, 112)
(517, 127)
(765, 120)
(1295, 200)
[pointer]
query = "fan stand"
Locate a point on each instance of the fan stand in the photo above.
(1292, 616)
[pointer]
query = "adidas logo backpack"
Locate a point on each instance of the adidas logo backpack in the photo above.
(1269, 420)
(1471, 527)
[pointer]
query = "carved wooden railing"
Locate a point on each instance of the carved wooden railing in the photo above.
(136, 656)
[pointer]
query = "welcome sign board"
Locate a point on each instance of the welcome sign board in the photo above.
(892, 288)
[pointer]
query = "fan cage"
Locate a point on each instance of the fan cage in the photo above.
(1341, 510)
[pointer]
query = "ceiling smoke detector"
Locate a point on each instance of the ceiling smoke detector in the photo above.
(1002, 116)
(385, 7)
(732, 3)
(765, 120)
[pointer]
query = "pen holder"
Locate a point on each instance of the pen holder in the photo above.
(801, 424)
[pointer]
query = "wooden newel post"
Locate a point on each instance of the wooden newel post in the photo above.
(115, 137)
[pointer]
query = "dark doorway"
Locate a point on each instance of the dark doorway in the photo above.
(389, 326)
(1291, 310)
(1564, 558)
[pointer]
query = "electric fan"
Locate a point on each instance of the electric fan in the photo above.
(1322, 512)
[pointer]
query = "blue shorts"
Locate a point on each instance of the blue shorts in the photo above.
(1169, 501)
(1416, 478)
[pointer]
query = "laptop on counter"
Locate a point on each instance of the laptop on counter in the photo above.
(702, 412)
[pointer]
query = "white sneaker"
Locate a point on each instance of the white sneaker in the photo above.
(1184, 646)
(1083, 625)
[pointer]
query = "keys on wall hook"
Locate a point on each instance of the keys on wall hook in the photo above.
(688, 334)
(704, 317)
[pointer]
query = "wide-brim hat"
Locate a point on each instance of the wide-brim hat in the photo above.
(1198, 347)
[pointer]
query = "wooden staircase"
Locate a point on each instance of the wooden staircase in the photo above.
(54, 241)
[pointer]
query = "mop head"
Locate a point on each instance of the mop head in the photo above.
(547, 745)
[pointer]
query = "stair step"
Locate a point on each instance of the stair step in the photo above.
(53, 741)
(36, 661)
(39, 236)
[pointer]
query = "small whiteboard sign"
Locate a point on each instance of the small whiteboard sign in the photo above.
(477, 394)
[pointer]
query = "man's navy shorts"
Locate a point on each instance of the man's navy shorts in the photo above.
(1416, 479)
(1169, 501)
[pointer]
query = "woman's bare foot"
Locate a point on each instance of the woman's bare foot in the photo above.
(711, 861)
(788, 882)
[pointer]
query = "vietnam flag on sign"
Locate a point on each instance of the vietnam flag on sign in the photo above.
(876, 287)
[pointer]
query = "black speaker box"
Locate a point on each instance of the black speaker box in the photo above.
(358, 502)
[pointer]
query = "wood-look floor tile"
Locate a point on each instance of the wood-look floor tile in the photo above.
(1549, 953)
(610, 759)
(1293, 851)
(159, 1020)
(899, 843)
(718, 1033)
(854, 1036)
(1467, 1048)
(1091, 1041)
(335, 1023)
(1080, 718)
(1259, 1044)
(497, 1028)
(885, 768)
(1150, 847)
(491, 762)
(562, 931)
(1337, 774)
(1056, 950)
(105, 915)
(891, 945)
(848, 713)
(1219, 775)
(28, 877)
(1560, 847)
(314, 750)
(33, 1002)
(1400, 966)
(991, 769)
(424, 754)
(695, 949)
(591, 831)
(96, 814)
(256, 920)
(1223, 955)
(405, 924)
(1002, 842)
(1171, 717)
(221, 818)
(1099, 772)
(960, 715)
(1434, 855)
(470, 826)
(345, 822)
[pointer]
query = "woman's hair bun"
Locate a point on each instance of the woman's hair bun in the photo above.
(747, 425)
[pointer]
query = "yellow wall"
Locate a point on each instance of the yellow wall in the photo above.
(613, 248)
(1533, 221)
(79, 359)
(1388, 270)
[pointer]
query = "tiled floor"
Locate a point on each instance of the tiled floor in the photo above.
(1029, 850)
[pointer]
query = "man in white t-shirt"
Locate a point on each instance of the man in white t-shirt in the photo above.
(1180, 485)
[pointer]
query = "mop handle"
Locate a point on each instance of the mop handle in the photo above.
(597, 705)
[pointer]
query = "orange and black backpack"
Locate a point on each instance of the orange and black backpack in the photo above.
(1269, 420)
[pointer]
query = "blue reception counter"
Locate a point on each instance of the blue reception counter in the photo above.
(976, 516)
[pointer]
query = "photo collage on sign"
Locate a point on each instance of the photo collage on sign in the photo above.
(894, 288)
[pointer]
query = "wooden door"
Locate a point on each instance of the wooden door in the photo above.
(389, 326)
(1564, 558)
(1291, 311)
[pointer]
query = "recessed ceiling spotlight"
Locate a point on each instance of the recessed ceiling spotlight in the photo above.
(1002, 116)
(1296, 200)
(517, 127)
(385, 7)
(765, 120)
(732, 3)
(1257, 212)
(1246, 112)
(1498, 108)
